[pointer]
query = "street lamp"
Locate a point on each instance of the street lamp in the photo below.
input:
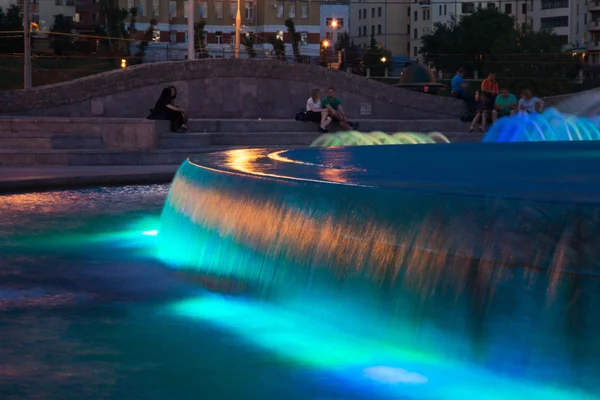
(325, 43)
(383, 59)
(334, 23)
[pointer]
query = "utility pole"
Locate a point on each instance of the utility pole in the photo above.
(191, 33)
(27, 46)
(238, 29)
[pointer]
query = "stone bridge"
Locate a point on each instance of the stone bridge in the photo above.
(222, 89)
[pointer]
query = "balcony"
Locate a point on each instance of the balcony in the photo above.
(593, 46)
(594, 25)
(593, 5)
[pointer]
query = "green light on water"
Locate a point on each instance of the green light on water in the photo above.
(364, 361)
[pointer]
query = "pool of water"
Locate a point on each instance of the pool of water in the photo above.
(87, 311)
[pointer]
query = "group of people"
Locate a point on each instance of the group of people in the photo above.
(493, 103)
(323, 111)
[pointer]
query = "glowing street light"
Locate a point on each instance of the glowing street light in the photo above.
(334, 23)
(123, 63)
(325, 43)
(383, 59)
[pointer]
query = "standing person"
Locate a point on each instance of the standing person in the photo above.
(485, 106)
(166, 109)
(504, 105)
(459, 88)
(530, 104)
(490, 85)
(315, 111)
(335, 111)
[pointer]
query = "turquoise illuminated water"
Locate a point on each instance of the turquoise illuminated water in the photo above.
(88, 311)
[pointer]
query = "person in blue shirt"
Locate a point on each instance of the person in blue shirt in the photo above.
(459, 86)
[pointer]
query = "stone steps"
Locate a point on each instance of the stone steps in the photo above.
(47, 140)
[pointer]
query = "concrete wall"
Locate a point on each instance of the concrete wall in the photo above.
(228, 88)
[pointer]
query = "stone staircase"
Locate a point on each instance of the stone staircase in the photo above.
(26, 141)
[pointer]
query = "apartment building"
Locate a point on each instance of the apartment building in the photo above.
(566, 18)
(592, 39)
(426, 13)
(387, 22)
(42, 12)
(87, 15)
(335, 18)
(260, 20)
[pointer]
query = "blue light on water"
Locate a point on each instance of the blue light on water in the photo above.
(153, 232)
(548, 126)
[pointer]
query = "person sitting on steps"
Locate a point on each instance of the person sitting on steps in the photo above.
(165, 109)
(315, 111)
(335, 111)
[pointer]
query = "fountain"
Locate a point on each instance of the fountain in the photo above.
(548, 126)
(429, 264)
(354, 138)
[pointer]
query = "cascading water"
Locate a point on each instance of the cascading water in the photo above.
(548, 126)
(321, 256)
(354, 138)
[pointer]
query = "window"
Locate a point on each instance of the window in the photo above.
(185, 8)
(340, 37)
(550, 4)
(468, 8)
(339, 22)
(445, 9)
(203, 10)
(304, 10)
(425, 31)
(359, 14)
(408, 32)
(219, 11)
(155, 8)
(415, 33)
(58, 2)
(142, 8)
(554, 22)
(279, 11)
(173, 37)
(577, 28)
(585, 18)
(232, 36)
(233, 9)
(584, 37)
(372, 30)
(304, 38)
(364, 13)
(77, 17)
(372, 12)
(379, 29)
(172, 9)
(524, 8)
(249, 11)
(379, 12)
(491, 6)
(424, 15)
(328, 36)
(69, 19)
(416, 16)
(407, 48)
(292, 11)
(70, 2)
(408, 12)
(365, 30)
(508, 8)
(440, 10)
(94, 17)
(415, 51)
(219, 36)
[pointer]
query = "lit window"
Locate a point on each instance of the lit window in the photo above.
(233, 10)
(249, 11)
(203, 10)
(303, 38)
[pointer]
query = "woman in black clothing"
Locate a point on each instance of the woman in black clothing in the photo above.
(165, 108)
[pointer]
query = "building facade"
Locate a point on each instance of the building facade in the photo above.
(387, 22)
(42, 12)
(566, 18)
(261, 19)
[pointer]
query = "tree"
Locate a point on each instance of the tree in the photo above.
(490, 41)
(62, 43)
(11, 21)
(200, 38)
(377, 59)
(248, 43)
(350, 55)
(114, 28)
(278, 47)
(294, 39)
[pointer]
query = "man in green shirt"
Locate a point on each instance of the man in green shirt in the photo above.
(504, 105)
(334, 108)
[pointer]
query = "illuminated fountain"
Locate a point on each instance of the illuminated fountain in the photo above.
(354, 138)
(374, 264)
(548, 126)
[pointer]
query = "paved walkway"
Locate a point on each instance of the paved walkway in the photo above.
(27, 178)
